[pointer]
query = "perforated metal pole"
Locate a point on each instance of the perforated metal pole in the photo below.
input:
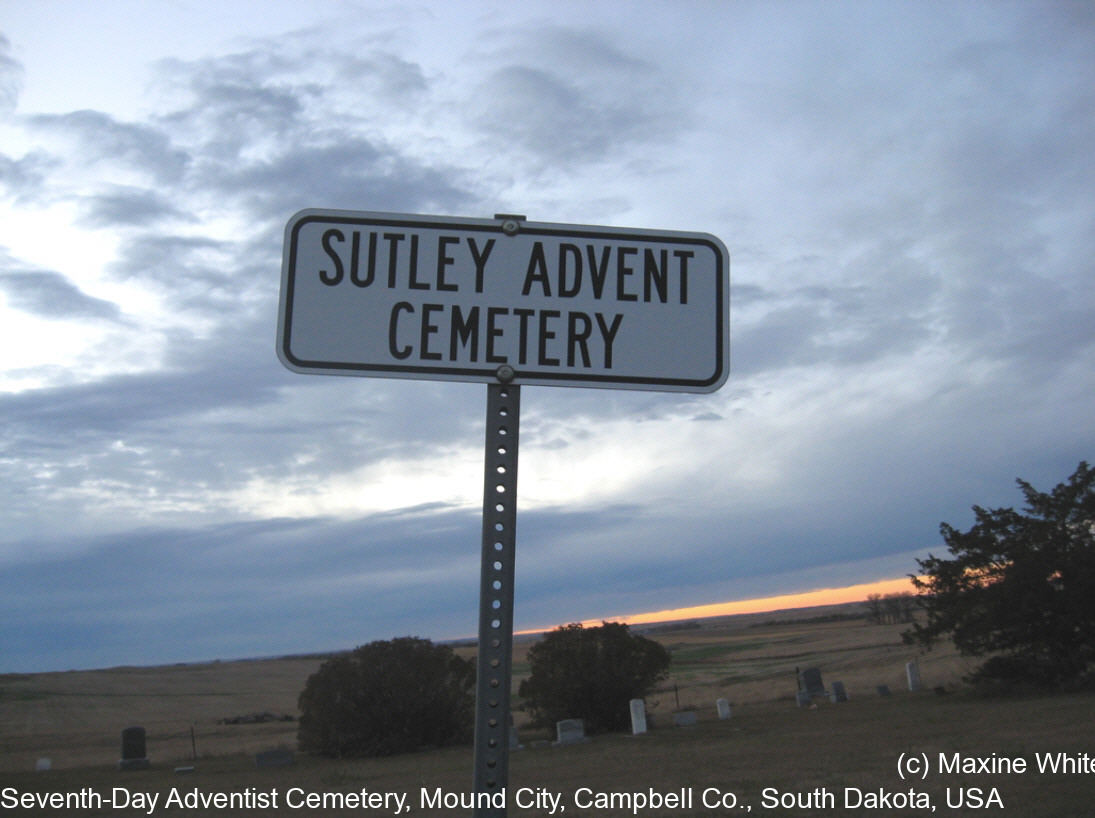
(492, 698)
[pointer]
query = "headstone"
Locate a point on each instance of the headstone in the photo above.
(638, 717)
(570, 731)
(723, 708)
(810, 681)
(883, 690)
(838, 694)
(514, 741)
(184, 770)
(134, 753)
(43, 765)
(279, 757)
(912, 671)
(803, 699)
(685, 718)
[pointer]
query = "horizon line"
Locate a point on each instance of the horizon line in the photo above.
(768, 604)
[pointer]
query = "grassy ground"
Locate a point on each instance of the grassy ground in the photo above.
(774, 758)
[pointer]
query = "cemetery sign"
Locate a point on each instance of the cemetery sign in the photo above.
(505, 302)
(483, 300)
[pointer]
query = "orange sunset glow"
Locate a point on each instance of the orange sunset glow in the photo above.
(807, 599)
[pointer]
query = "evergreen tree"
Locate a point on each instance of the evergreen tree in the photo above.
(388, 697)
(591, 674)
(1019, 588)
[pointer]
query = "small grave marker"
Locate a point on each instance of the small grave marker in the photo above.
(810, 681)
(686, 718)
(514, 740)
(883, 690)
(134, 752)
(723, 708)
(638, 717)
(43, 765)
(838, 693)
(912, 672)
(570, 731)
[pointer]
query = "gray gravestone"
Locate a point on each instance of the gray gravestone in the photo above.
(638, 717)
(883, 690)
(570, 731)
(134, 752)
(686, 718)
(43, 765)
(723, 708)
(803, 699)
(912, 672)
(810, 681)
(838, 694)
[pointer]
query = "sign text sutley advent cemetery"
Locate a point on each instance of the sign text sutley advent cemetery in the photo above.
(505, 302)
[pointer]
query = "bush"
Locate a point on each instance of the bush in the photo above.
(388, 697)
(591, 674)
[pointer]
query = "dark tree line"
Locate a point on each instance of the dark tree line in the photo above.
(891, 609)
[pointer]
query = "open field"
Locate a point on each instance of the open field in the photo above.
(813, 757)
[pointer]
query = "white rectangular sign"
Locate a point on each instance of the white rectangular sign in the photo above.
(448, 298)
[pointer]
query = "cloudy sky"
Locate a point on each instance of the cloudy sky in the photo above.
(906, 190)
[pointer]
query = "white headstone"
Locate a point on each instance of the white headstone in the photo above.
(723, 707)
(912, 671)
(638, 717)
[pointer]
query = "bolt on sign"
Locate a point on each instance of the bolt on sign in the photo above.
(447, 298)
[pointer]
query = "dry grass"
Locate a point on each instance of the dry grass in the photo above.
(75, 719)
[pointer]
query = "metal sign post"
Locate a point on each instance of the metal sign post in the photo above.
(495, 659)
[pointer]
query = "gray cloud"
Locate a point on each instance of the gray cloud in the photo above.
(570, 95)
(11, 76)
(130, 207)
(350, 173)
(51, 295)
(23, 178)
(101, 137)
